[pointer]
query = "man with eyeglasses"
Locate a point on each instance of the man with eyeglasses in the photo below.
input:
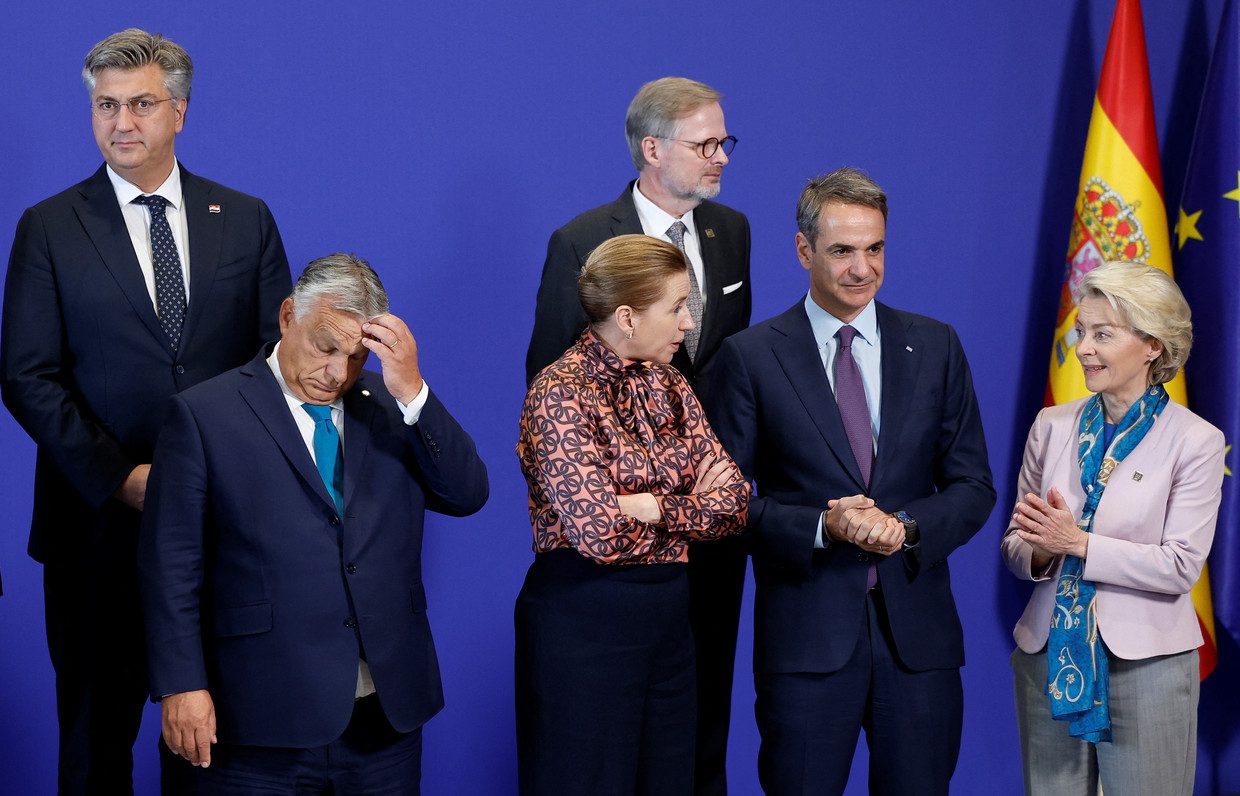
(679, 145)
(123, 290)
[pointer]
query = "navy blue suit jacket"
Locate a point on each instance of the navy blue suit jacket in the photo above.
(775, 412)
(84, 366)
(255, 590)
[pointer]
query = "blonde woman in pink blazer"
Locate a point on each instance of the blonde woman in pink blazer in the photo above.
(1117, 501)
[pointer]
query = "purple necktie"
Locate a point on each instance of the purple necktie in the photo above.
(850, 397)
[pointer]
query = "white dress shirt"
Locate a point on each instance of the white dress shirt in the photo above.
(138, 223)
(655, 223)
(867, 352)
(305, 425)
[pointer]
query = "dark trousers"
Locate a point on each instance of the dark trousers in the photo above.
(95, 637)
(604, 679)
(716, 584)
(809, 721)
(370, 758)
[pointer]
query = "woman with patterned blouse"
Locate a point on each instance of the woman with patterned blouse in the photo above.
(623, 470)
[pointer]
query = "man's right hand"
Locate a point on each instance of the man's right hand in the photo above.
(856, 520)
(132, 492)
(189, 725)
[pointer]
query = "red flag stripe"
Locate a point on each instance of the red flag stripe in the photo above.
(1125, 78)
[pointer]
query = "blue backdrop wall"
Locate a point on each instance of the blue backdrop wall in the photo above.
(445, 142)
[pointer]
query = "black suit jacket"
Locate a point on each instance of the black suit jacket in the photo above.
(256, 590)
(775, 412)
(84, 366)
(559, 318)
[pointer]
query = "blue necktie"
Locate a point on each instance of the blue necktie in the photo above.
(327, 454)
(169, 279)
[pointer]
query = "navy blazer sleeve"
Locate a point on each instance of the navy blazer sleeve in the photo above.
(964, 492)
(558, 317)
(786, 531)
(35, 377)
(449, 470)
(274, 284)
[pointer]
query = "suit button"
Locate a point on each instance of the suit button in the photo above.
(862, 557)
(180, 369)
(334, 520)
(350, 623)
(351, 569)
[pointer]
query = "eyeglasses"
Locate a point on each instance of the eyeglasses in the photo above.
(140, 106)
(710, 146)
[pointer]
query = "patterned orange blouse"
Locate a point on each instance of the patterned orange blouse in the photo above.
(594, 426)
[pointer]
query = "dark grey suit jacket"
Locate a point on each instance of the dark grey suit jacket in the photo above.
(559, 319)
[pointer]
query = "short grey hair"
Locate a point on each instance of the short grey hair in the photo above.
(844, 186)
(658, 109)
(134, 48)
(1150, 302)
(346, 281)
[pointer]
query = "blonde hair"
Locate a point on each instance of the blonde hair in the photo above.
(658, 109)
(1151, 303)
(627, 270)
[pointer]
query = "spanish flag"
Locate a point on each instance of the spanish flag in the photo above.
(1119, 215)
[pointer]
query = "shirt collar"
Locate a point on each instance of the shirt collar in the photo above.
(170, 189)
(825, 325)
(656, 218)
(273, 362)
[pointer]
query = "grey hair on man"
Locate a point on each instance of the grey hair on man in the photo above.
(346, 281)
(844, 186)
(134, 48)
(658, 109)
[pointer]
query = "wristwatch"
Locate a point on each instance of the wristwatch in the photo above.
(912, 534)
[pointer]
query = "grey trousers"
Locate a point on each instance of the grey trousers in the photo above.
(1153, 726)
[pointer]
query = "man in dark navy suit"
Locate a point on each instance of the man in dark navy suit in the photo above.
(280, 557)
(679, 145)
(132, 285)
(861, 428)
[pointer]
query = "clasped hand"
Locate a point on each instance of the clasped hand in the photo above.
(1048, 525)
(857, 520)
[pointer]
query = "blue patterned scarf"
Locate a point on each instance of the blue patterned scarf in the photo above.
(1077, 675)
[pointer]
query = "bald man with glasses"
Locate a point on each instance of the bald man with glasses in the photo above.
(123, 290)
(679, 145)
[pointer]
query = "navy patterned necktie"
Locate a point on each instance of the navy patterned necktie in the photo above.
(676, 232)
(169, 279)
(327, 454)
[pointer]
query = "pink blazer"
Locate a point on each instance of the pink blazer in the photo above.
(1151, 535)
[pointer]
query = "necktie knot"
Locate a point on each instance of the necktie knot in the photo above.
(319, 413)
(154, 202)
(846, 335)
(676, 232)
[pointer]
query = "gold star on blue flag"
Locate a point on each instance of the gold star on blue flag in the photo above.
(1208, 271)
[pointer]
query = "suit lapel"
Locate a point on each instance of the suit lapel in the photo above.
(265, 398)
(205, 231)
(900, 360)
(624, 218)
(708, 241)
(359, 415)
(102, 219)
(798, 356)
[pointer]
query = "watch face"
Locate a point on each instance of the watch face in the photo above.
(903, 516)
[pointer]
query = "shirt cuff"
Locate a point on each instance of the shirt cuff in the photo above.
(820, 538)
(414, 410)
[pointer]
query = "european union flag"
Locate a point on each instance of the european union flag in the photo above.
(1207, 269)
